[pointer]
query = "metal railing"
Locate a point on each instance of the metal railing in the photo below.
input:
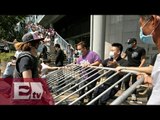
(67, 82)
(121, 98)
(59, 40)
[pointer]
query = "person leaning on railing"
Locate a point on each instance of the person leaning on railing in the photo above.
(113, 61)
(145, 71)
(150, 34)
(87, 58)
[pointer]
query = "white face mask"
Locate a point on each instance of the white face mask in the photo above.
(130, 45)
(111, 54)
(79, 52)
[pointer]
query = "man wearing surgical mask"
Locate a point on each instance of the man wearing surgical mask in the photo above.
(114, 56)
(136, 58)
(87, 58)
(149, 34)
(113, 61)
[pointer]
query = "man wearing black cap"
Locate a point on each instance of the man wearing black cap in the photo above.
(136, 58)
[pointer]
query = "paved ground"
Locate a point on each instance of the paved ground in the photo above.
(141, 99)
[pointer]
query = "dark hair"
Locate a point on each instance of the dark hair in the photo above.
(132, 40)
(57, 45)
(83, 44)
(119, 46)
(12, 57)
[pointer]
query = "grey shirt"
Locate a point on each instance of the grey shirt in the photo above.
(9, 69)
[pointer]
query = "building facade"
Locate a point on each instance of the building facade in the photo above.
(100, 31)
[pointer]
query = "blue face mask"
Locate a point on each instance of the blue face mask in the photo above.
(148, 39)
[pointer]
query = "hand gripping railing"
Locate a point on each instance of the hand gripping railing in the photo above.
(68, 83)
(80, 87)
(108, 89)
(78, 83)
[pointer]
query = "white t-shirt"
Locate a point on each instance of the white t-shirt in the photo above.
(9, 69)
(155, 96)
(17, 53)
(6, 48)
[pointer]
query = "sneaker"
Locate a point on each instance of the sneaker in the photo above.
(133, 97)
(131, 102)
(139, 102)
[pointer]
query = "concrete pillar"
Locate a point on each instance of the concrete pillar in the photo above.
(91, 32)
(98, 34)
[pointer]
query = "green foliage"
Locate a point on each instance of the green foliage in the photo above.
(7, 27)
(5, 57)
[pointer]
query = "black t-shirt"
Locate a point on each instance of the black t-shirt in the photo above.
(153, 59)
(59, 58)
(120, 61)
(44, 52)
(134, 56)
(29, 62)
(26, 63)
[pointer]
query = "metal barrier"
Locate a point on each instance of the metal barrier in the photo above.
(67, 82)
(120, 99)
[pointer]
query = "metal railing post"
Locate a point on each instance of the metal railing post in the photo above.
(126, 93)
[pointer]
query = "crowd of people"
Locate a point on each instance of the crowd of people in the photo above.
(25, 65)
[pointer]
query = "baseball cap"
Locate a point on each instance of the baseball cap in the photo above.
(131, 40)
(31, 36)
